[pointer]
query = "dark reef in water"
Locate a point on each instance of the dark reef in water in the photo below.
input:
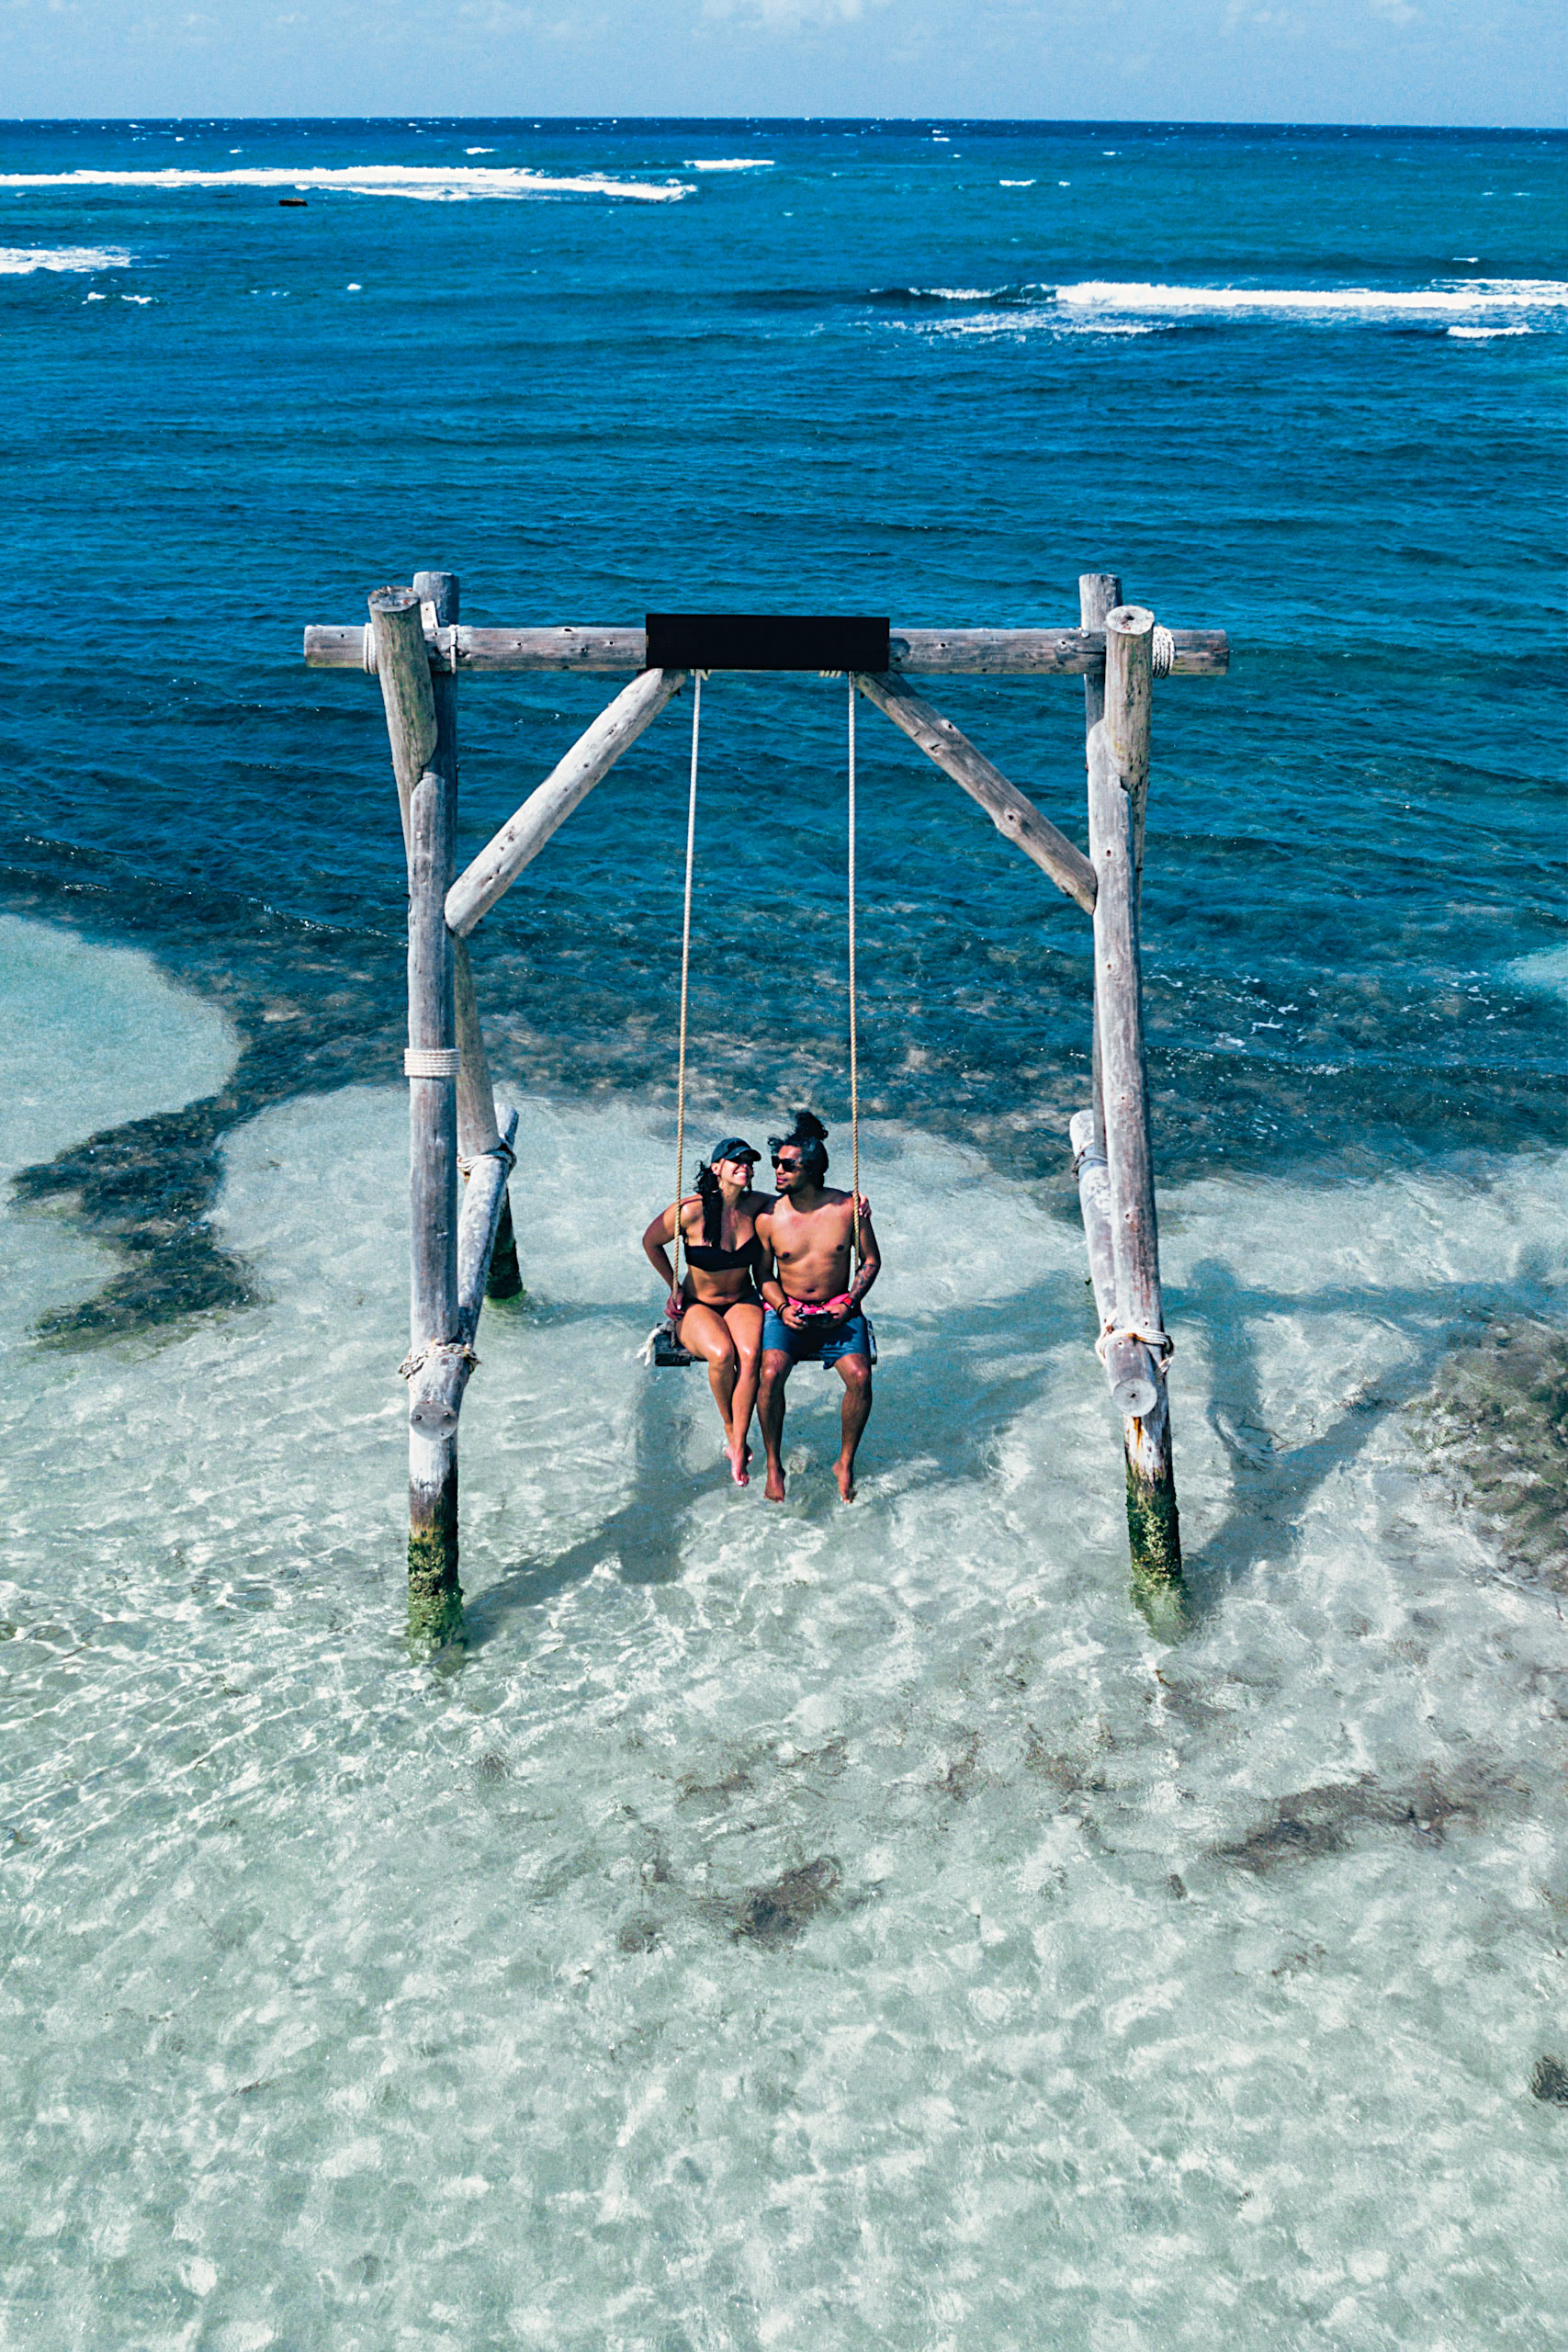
(1497, 1425)
(1314, 1822)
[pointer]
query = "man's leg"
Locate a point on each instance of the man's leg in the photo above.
(771, 1417)
(854, 1413)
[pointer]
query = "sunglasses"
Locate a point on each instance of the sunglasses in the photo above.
(784, 1163)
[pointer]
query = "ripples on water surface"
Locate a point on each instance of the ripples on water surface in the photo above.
(829, 1929)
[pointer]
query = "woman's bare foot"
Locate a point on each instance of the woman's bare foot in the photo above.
(740, 1463)
(845, 1474)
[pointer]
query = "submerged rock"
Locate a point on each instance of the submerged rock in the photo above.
(1497, 1425)
(1314, 1822)
(1550, 2082)
(776, 1913)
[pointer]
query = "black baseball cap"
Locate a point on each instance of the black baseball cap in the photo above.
(733, 1148)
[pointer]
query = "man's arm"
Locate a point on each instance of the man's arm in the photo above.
(870, 1263)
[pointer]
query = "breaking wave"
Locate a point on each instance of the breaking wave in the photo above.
(1470, 298)
(457, 185)
(20, 261)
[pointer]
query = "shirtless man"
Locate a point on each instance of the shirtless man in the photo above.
(812, 1306)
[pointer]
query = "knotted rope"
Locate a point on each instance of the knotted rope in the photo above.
(1161, 1342)
(431, 1061)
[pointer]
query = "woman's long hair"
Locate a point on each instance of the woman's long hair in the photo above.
(712, 1198)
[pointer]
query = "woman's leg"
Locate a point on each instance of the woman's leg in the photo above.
(704, 1333)
(745, 1322)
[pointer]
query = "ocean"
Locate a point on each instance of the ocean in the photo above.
(798, 1927)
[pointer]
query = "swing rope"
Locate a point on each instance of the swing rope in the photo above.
(686, 970)
(854, 1040)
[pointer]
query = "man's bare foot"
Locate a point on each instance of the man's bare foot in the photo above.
(774, 1489)
(844, 1473)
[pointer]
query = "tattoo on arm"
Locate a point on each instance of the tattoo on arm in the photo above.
(870, 1267)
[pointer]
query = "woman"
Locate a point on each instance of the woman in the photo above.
(717, 1312)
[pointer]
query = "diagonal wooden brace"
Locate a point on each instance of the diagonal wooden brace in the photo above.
(569, 783)
(1006, 807)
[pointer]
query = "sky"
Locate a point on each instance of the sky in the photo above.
(1480, 61)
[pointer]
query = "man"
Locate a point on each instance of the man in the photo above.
(813, 1308)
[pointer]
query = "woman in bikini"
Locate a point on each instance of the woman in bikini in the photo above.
(717, 1312)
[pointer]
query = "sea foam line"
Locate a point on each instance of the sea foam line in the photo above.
(457, 185)
(727, 164)
(19, 261)
(1434, 301)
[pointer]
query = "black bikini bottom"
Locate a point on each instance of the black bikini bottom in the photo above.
(721, 1306)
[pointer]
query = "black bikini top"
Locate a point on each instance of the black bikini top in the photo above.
(714, 1260)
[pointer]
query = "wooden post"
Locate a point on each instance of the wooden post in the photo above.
(1098, 592)
(1118, 768)
(477, 1134)
(402, 664)
(478, 1131)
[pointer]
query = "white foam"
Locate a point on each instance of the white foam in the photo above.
(728, 164)
(1546, 970)
(20, 261)
(1015, 182)
(455, 184)
(989, 325)
(1484, 335)
(1479, 296)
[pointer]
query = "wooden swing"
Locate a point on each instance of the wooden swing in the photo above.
(663, 1351)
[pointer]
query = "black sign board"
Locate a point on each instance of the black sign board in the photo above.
(766, 642)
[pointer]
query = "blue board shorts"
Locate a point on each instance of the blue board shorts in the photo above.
(820, 1342)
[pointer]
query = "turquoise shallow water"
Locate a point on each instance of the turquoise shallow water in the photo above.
(823, 1929)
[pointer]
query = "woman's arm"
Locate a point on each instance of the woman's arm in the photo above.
(768, 1280)
(661, 1232)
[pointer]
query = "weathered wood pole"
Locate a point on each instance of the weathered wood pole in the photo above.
(1013, 815)
(438, 594)
(431, 1064)
(1117, 772)
(486, 878)
(1098, 592)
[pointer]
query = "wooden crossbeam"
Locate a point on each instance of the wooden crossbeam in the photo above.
(913, 653)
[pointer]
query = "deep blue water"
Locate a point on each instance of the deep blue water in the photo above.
(930, 369)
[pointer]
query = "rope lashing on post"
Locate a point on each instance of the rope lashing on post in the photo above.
(431, 1061)
(1161, 1342)
(417, 1358)
(500, 1149)
(1162, 651)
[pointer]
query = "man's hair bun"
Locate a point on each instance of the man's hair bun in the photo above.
(809, 1137)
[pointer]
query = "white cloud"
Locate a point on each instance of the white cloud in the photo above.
(790, 15)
